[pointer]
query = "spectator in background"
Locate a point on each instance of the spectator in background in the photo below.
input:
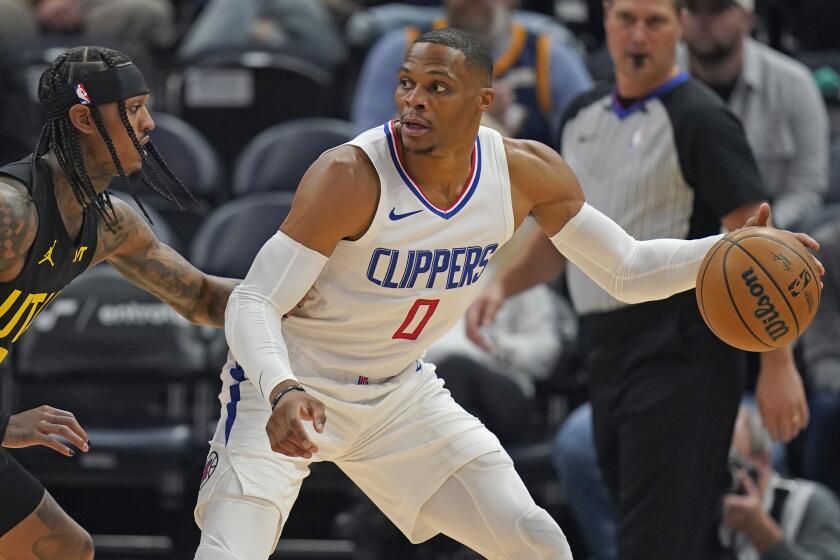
(303, 27)
(534, 76)
(821, 344)
(144, 25)
(775, 97)
(769, 517)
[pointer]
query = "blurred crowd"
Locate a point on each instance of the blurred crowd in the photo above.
(247, 93)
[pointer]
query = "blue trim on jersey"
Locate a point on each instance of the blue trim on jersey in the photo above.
(238, 375)
(624, 112)
(465, 197)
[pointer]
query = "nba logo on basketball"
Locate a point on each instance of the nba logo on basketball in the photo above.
(82, 94)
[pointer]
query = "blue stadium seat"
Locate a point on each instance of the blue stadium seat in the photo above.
(229, 240)
(277, 159)
(232, 236)
(190, 157)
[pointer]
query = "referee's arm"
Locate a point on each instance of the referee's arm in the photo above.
(719, 165)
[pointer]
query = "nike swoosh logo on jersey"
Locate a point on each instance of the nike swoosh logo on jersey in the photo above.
(394, 216)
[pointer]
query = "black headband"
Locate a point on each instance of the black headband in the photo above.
(114, 84)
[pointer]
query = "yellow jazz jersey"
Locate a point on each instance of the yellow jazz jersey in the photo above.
(54, 259)
(383, 299)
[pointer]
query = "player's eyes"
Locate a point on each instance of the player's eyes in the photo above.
(439, 87)
(405, 83)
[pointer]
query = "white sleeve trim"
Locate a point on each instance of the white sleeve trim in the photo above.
(629, 270)
(280, 276)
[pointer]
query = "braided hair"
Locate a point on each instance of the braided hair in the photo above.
(61, 137)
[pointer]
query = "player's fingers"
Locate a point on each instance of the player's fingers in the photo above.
(56, 445)
(74, 427)
(808, 241)
(474, 329)
(488, 313)
(317, 413)
(805, 412)
(819, 265)
(65, 432)
(289, 448)
(297, 433)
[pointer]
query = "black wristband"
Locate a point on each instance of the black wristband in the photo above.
(4, 421)
(283, 392)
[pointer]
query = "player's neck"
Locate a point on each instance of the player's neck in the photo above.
(441, 174)
(68, 206)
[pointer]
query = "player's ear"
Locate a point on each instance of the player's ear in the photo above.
(81, 118)
(487, 95)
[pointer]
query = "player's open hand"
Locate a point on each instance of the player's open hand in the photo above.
(482, 313)
(39, 426)
(762, 219)
(286, 433)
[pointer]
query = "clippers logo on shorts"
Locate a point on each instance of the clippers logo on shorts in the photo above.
(432, 268)
(82, 94)
(209, 468)
(765, 309)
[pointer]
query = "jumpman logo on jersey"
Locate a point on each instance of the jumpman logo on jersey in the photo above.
(48, 255)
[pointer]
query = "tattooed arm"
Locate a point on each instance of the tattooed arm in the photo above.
(140, 256)
(18, 226)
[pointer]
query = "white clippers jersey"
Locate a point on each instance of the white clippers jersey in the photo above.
(383, 299)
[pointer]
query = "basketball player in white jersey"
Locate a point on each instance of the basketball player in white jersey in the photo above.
(381, 253)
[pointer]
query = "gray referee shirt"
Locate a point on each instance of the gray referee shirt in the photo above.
(786, 123)
(671, 164)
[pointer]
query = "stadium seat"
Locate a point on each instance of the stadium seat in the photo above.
(232, 236)
(277, 159)
(229, 240)
(190, 157)
(231, 96)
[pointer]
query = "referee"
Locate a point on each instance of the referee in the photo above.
(662, 156)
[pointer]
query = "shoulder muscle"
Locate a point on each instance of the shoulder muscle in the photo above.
(542, 185)
(336, 199)
(18, 222)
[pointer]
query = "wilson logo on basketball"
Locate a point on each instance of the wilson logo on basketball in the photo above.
(765, 310)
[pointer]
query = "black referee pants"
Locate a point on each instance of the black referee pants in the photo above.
(665, 393)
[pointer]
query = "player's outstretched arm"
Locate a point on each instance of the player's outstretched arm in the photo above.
(631, 271)
(141, 257)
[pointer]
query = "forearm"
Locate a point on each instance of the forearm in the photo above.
(778, 357)
(765, 534)
(629, 270)
(279, 278)
(212, 300)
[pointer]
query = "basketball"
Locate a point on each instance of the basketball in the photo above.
(758, 289)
